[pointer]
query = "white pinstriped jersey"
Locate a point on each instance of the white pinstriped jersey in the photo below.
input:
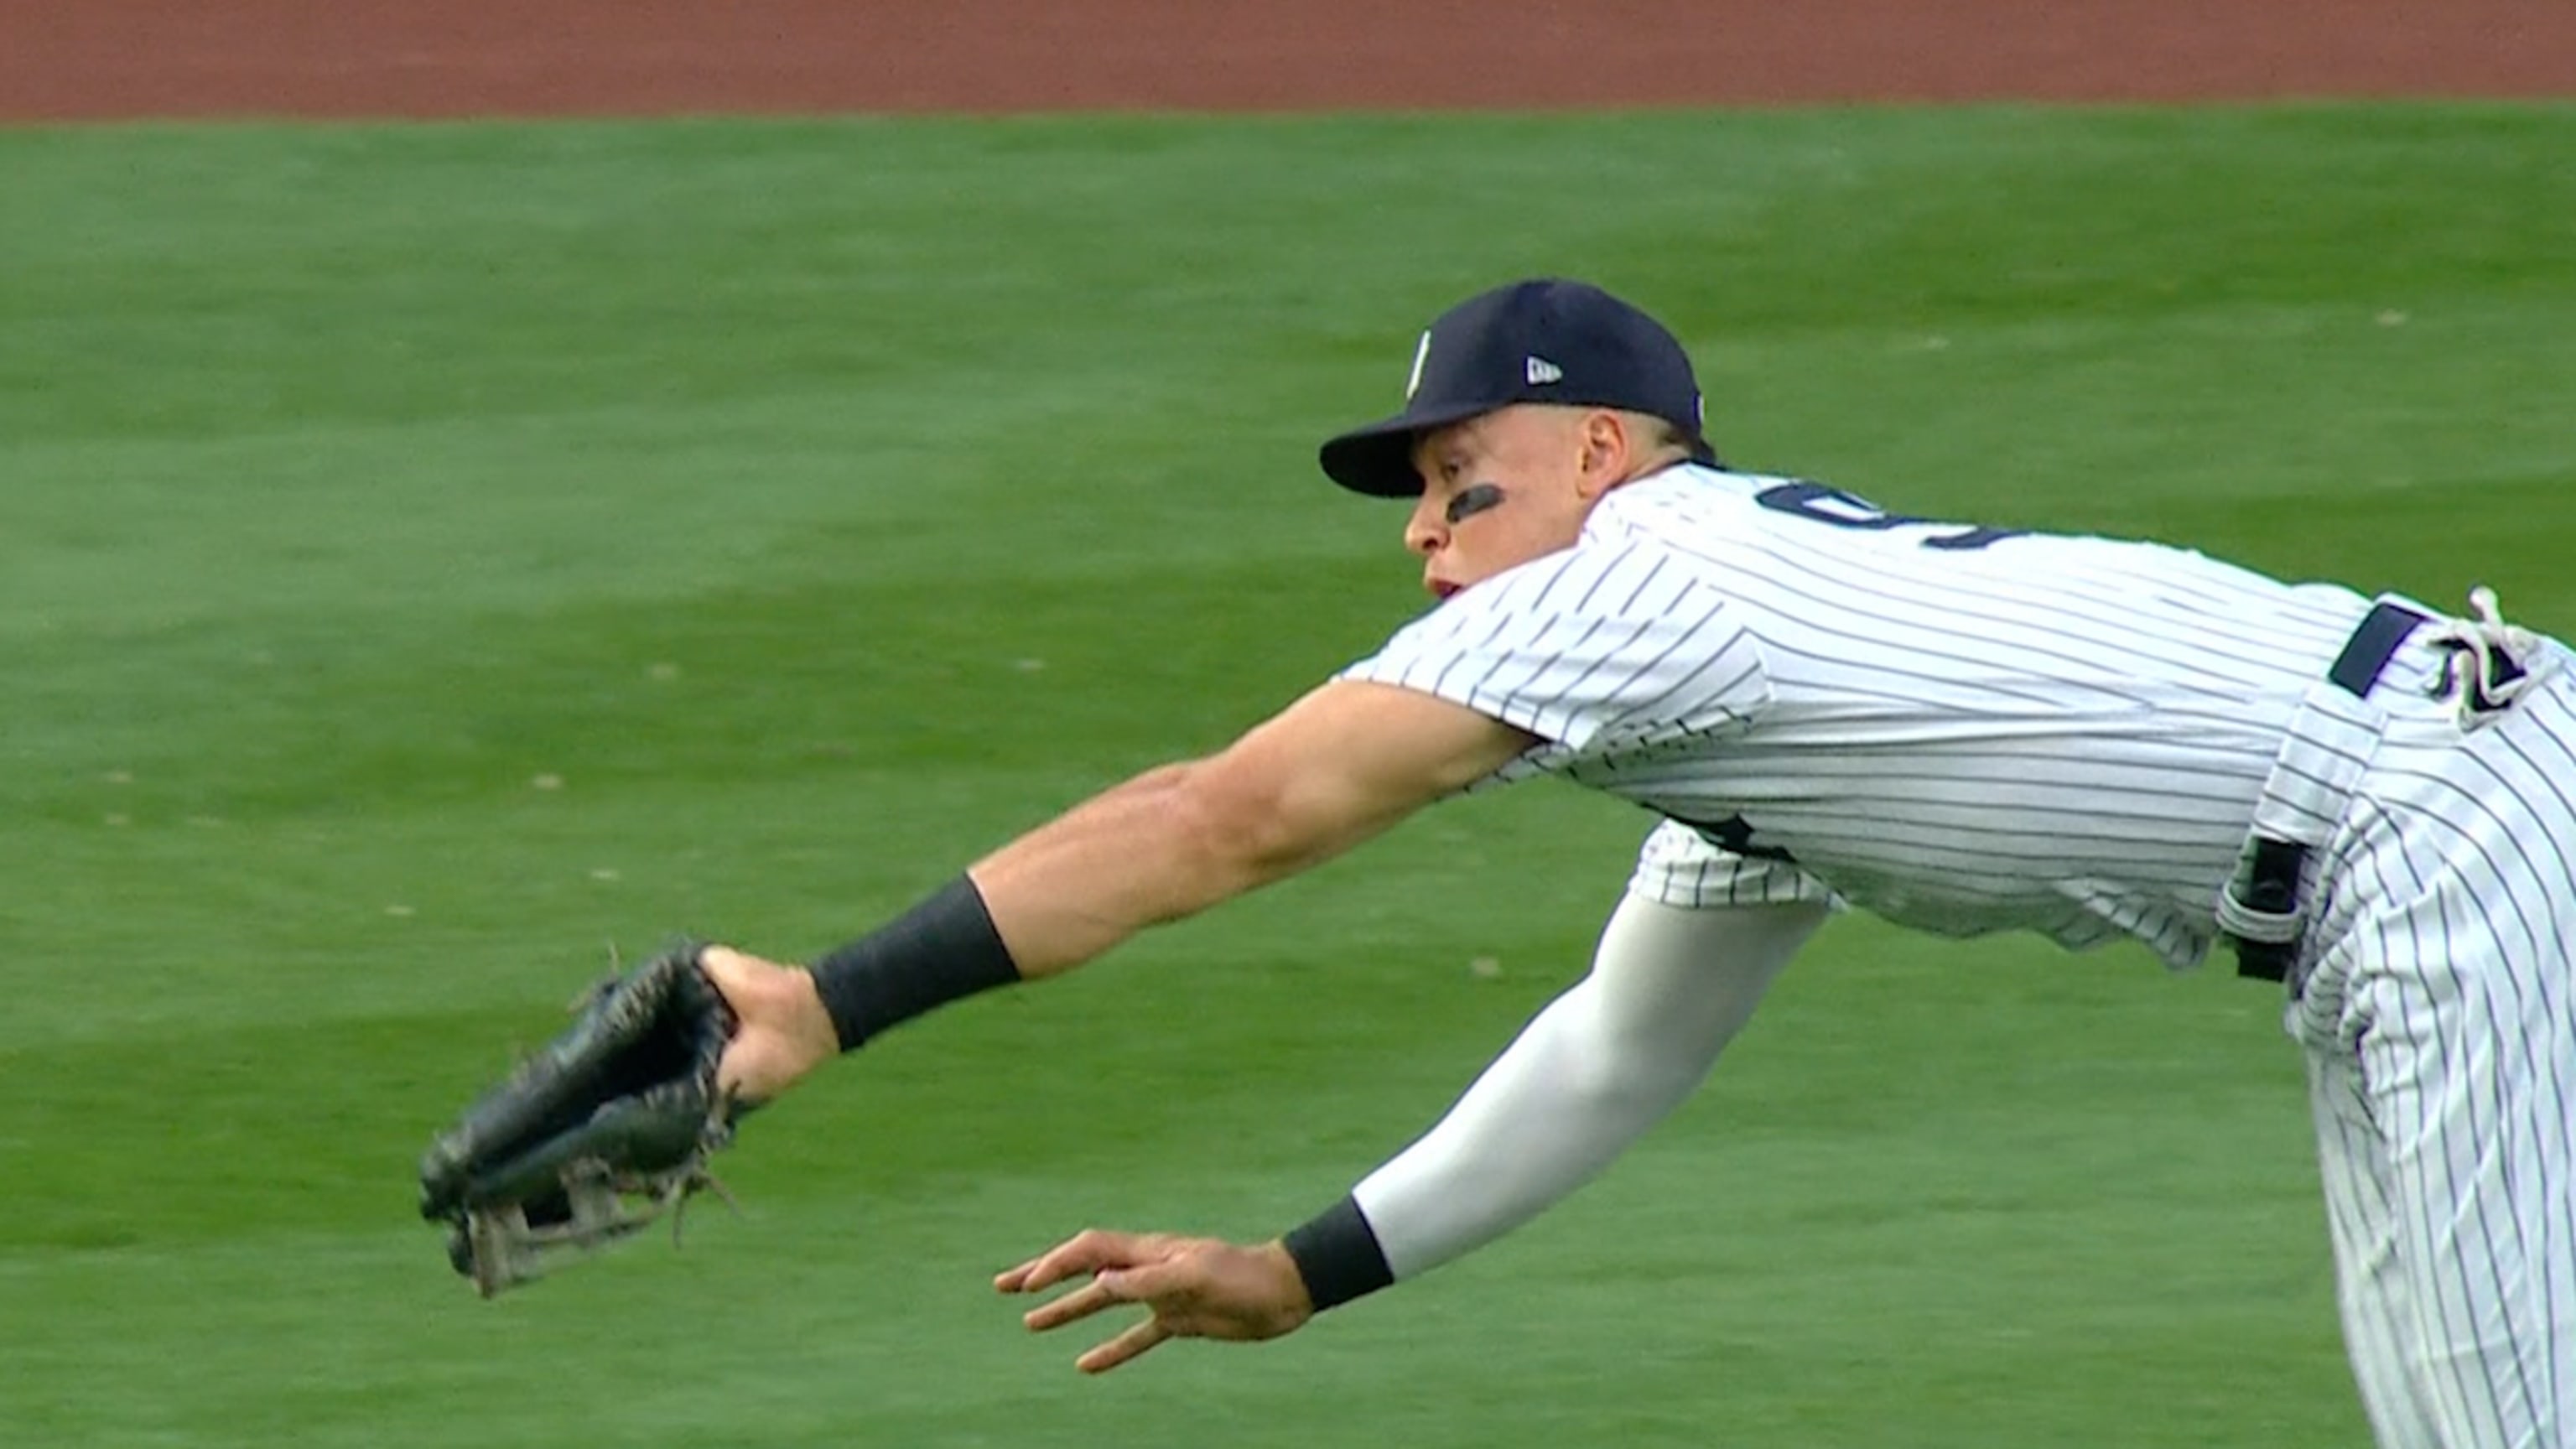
(1959, 730)
(1968, 731)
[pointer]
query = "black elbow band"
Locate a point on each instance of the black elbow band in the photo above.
(1337, 1253)
(940, 951)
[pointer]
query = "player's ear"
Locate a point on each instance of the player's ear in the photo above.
(1607, 449)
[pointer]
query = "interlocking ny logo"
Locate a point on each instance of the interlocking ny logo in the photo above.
(1421, 355)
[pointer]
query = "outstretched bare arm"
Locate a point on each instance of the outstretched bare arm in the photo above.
(1339, 766)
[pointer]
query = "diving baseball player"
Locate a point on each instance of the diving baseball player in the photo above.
(1960, 729)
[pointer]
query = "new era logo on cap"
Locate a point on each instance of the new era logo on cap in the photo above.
(1540, 341)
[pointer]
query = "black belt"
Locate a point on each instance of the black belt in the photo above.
(2373, 643)
(2272, 879)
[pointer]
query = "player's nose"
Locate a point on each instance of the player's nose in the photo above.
(1425, 531)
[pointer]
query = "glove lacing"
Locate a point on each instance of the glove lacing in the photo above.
(677, 1194)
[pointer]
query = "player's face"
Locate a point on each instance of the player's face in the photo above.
(1497, 491)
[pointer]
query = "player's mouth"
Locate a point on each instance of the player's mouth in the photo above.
(1441, 589)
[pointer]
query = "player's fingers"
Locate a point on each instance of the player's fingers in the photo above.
(1069, 1259)
(1159, 1281)
(733, 972)
(1171, 1288)
(1022, 1277)
(1085, 1252)
(1079, 1304)
(1125, 1346)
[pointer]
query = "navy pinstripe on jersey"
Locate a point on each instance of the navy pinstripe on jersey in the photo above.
(1958, 730)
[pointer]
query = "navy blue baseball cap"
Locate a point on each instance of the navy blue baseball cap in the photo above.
(1542, 341)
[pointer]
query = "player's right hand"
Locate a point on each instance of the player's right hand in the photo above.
(1196, 1287)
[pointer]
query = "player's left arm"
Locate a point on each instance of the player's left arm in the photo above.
(1337, 767)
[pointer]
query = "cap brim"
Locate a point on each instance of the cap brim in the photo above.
(1378, 459)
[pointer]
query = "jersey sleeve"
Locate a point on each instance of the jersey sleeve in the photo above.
(1679, 866)
(1600, 650)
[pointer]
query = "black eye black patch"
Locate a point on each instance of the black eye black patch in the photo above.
(1472, 500)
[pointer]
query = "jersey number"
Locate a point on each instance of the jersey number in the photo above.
(1841, 510)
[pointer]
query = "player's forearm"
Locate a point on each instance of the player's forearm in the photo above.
(1161, 846)
(1343, 763)
(1545, 1118)
(1542, 1120)
(1603, 1063)
(1340, 765)
(1155, 849)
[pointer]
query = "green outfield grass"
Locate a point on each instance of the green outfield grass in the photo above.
(432, 556)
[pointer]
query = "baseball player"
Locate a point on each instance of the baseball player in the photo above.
(1960, 729)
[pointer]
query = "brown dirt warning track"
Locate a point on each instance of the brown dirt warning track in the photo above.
(92, 60)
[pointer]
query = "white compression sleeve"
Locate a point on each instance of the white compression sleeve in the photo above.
(1605, 1061)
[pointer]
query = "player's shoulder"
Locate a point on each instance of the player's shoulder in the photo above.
(1690, 488)
(1682, 497)
(1647, 546)
(1684, 484)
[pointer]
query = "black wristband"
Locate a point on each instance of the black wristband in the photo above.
(1336, 1252)
(939, 951)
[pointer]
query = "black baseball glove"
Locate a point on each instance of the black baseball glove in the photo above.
(602, 1131)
